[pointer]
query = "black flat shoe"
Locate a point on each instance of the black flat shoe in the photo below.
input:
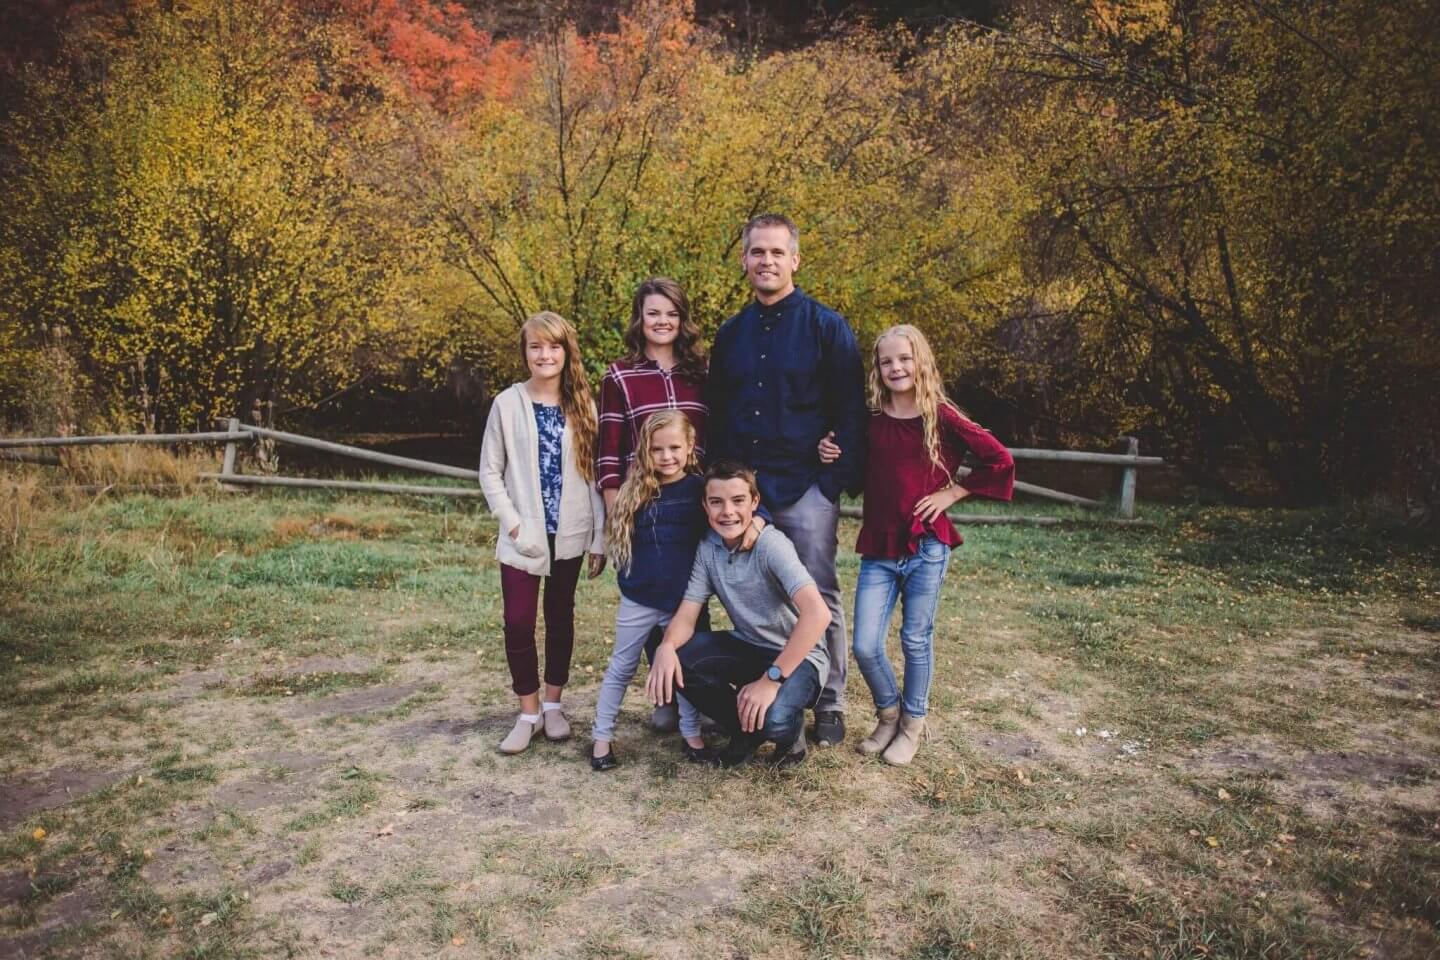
(703, 755)
(794, 756)
(736, 754)
(791, 760)
(607, 762)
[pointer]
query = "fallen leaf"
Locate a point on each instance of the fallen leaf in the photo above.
(386, 831)
(1223, 794)
(457, 941)
(208, 919)
(1286, 838)
(1212, 841)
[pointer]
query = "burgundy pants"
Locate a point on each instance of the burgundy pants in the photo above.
(520, 593)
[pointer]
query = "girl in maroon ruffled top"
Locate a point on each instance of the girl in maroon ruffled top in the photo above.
(917, 438)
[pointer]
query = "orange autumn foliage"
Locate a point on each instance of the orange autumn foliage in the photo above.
(437, 50)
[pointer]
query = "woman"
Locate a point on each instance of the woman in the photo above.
(665, 370)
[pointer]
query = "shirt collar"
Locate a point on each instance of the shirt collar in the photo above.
(645, 363)
(780, 308)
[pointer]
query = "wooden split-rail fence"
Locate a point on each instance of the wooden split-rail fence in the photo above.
(34, 450)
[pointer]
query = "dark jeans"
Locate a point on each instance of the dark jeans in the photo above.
(520, 594)
(652, 642)
(716, 664)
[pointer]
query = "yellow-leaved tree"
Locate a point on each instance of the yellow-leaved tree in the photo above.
(192, 221)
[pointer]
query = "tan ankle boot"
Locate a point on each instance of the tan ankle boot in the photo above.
(907, 741)
(519, 738)
(555, 725)
(888, 721)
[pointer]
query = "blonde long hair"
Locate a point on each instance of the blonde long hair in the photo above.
(929, 386)
(643, 485)
(575, 398)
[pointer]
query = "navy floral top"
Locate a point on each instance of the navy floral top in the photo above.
(550, 423)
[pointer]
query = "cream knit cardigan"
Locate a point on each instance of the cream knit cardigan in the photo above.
(510, 480)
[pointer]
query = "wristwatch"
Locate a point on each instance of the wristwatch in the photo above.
(772, 672)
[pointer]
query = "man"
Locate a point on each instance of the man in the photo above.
(755, 680)
(784, 372)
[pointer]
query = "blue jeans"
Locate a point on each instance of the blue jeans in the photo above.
(716, 664)
(914, 580)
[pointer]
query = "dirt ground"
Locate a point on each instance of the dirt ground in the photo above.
(1270, 795)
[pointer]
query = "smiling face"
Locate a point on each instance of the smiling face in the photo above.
(895, 359)
(660, 320)
(729, 506)
(770, 263)
(670, 452)
(545, 358)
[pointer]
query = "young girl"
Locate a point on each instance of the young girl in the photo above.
(664, 370)
(917, 437)
(537, 472)
(652, 531)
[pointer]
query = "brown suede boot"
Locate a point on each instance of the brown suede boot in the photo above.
(902, 749)
(888, 721)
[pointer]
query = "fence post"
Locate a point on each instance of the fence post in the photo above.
(1127, 480)
(227, 468)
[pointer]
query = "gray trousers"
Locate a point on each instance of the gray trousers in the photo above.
(813, 524)
(633, 623)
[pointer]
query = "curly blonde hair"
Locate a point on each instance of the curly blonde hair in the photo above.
(929, 386)
(575, 399)
(643, 485)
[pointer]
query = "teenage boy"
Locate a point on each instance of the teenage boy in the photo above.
(756, 680)
(784, 372)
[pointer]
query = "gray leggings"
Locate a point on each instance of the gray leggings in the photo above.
(633, 623)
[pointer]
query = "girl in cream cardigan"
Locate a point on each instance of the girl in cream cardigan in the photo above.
(537, 471)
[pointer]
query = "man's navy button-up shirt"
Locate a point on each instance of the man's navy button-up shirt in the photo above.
(781, 377)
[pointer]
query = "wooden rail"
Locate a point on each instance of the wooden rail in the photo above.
(360, 453)
(364, 485)
(25, 456)
(10, 443)
(1086, 456)
(236, 433)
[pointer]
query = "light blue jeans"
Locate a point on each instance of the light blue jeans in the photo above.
(915, 581)
(633, 622)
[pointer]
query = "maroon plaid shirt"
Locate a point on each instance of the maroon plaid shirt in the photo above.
(629, 392)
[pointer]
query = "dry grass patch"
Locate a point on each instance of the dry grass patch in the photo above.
(138, 464)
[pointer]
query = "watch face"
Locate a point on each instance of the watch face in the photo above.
(774, 673)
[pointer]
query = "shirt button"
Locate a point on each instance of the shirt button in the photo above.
(762, 356)
(762, 383)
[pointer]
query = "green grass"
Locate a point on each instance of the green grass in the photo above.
(1287, 659)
